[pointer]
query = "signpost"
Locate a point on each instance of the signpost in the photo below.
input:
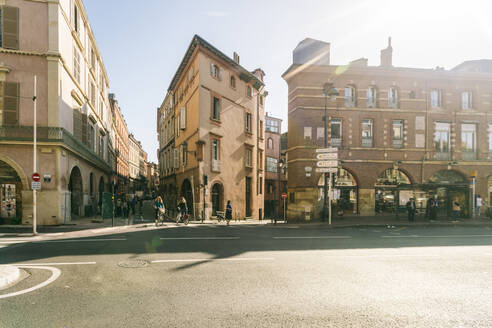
(284, 197)
(34, 164)
(327, 162)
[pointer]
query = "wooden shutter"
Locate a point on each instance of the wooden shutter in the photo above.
(10, 27)
(176, 158)
(10, 103)
(182, 123)
(212, 69)
(84, 125)
(77, 124)
(220, 74)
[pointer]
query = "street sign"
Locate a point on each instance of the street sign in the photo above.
(36, 185)
(327, 163)
(327, 150)
(327, 156)
(284, 195)
(36, 177)
(326, 169)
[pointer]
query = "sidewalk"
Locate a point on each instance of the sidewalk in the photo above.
(8, 275)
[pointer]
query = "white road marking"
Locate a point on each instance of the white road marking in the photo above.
(314, 237)
(197, 238)
(55, 274)
(442, 236)
(56, 263)
(79, 240)
(213, 260)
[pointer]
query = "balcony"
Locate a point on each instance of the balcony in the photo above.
(443, 156)
(216, 165)
(397, 143)
(469, 155)
(367, 142)
(55, 135)
(336, 142)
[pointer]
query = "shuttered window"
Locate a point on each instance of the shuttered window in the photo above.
(9, 27)
(77, 124)
(9, 103)
(182, 123)
(76, 64)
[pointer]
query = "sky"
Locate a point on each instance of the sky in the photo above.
(143, 42)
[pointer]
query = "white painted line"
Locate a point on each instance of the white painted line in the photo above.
(56, 263)
(382, 256)
(14, 242)
(443, 236)
(314, 237)
(55, 274)
(79, 240)
(214, 260)
(197, 238)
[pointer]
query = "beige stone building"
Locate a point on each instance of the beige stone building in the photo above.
(121, 146)
(54, 41)
(218, 143)
(400, 133)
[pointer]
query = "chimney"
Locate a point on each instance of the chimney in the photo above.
(259, 74)
(111, 96)
(387, 55)
(236, 57)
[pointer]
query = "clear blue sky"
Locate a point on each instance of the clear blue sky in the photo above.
(143, 42)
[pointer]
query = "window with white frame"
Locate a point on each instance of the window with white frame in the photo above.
(371, 95)
(468, 137)
(320, 133)
(248, 122)
(270, 143)
(215, 71)
(249, 157)
(397, 133)
(393, 97)
(271, 164)
(272, 125)
(466, 100)
(350, 96)
(307, 132)
(435, 98)
(76, 64)
(216, 108)
(367, 133)
(441, 137)
(336, 132)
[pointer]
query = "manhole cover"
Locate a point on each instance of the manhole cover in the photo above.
(133, 264)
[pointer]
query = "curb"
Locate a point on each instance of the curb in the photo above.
(8, 275)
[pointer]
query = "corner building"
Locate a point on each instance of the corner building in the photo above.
(216, 152)
(400, 133)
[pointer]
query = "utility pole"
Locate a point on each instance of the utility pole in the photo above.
(34, 200)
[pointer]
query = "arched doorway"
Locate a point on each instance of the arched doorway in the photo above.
(345, 192)
(446, 186)
(10, 195)
(217, 198)
(75, 188)
(390, 191)
(187, 193)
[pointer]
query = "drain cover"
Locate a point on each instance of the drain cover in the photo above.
(133, 264)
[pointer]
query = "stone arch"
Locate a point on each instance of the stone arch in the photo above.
(18, 170)
(10, 193)
(393, 176)
(448, 177)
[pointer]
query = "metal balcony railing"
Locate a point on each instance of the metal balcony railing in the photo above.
(53, 134)
(443, 156)
(397, 143)
(469, 155)
(336, 142)
(216, 165)
(367, 142)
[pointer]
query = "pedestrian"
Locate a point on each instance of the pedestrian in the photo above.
(479, 204)
(158, 204)
(182, 208)
(228, 213)
(428, 208)
(140, 206)
(433, 210)
(118, 207)
(411, 209)
(132, 204)
(456, 209)
(125, 206)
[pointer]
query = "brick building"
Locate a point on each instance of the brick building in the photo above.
(400, 132)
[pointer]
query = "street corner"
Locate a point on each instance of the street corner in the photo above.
(9, 274)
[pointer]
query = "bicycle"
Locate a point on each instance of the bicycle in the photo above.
(184, 218)
(160, 217)
(220, 216)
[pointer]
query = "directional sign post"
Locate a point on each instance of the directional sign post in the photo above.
(325, 156)
(327, 162)
(326, 169)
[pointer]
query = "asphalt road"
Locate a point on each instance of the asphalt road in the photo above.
(255, 276)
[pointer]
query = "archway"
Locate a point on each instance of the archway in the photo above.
(388, 193)
(187, 193)
(217, 198)
(447, 186)
(10, 194)
(75, 188)
(345, 192)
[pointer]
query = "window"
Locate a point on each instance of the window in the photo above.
(90, 137)
(248, 122)
(466, 100)
(260, 160)
(93, 59)
(271, 164)
(216, 108)
(272, 126)
(490, 141)
(307, 132)
(393, 97)
(92, 94)
(249, 157)
(9, 103)
(101, 145)
(435, 99)
(216, 72)
(76, 64)
(261, 129)
(441, 139)
(468, 141)
(371, 97)
(190, 74)
(350, 96)
(215, 149)
(270, 143)
(249, 91)
(397, 134)
(367, 133)
(320, 133)
(76, 18)
(233, 82)
(9, 27)
(292, 197)
(336, 132)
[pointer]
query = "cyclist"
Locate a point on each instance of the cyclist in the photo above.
(182, 208)
(158, 206)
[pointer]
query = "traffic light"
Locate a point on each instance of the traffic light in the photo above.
(205, 180)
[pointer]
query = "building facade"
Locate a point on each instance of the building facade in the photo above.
(121, 176)
(218, 140)
(274, 168)
(400, 133)
(54, 42)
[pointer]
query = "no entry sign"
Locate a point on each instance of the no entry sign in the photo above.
(36, 177)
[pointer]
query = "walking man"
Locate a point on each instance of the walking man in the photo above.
(411, 209)
(479, 204)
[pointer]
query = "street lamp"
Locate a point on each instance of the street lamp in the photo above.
(328, 91)
(279, 168)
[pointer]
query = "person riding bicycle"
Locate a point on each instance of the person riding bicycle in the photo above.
(182, 208)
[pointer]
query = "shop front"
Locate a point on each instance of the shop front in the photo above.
(345, 193)
(10, 195)
(392, 190)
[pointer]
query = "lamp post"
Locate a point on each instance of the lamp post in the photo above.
(328, 91)
(279, 169)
